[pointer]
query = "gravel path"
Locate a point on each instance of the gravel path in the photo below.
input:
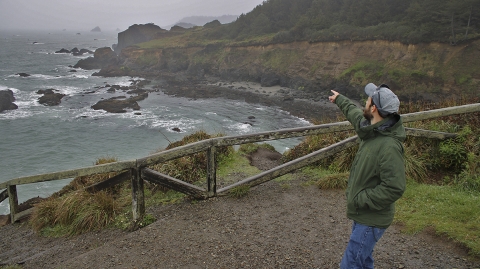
(277, 225)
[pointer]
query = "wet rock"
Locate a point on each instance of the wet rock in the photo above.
(268, 80)
(23, 75)
(101, 58)
(50, 98)
(63, 51)
(6, 100)
(115, 105)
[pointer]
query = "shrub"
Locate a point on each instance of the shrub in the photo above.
(76, 212)
(191, 168)
(469, 178)
(73, 211)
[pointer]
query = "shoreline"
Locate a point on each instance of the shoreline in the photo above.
(290, 100)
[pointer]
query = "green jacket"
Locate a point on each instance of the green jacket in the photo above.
(377, 175)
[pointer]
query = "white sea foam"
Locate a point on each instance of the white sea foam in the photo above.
(47, 77)
(241, 128)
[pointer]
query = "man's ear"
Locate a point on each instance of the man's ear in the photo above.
(373, 108)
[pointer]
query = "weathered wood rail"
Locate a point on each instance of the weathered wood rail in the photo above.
(137, 170)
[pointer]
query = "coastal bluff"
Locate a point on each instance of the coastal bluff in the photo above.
(425, 71)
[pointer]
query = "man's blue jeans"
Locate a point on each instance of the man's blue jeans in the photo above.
(358, 254)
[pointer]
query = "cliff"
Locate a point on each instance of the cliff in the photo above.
(423, 71)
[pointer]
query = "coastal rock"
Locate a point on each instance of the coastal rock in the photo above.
(63, 51)
(50, 98)
(117, 105)
(6, 100)
(137, 33)
(82, 51)
(269, 80)
(23, 75)
(75, 51)
(112, 71)
(102, 57)
(96, 29)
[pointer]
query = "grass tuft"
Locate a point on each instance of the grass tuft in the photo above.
(239, 192)
(336, 181)
(74, 213)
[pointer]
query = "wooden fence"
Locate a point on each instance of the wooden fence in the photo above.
(137, 170)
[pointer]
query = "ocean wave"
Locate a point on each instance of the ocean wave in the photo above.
(242, 128)
(2, 88)
(19, 113)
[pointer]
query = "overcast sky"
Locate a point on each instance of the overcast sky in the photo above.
(111, 14)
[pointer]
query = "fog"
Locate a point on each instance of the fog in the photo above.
(84, 15)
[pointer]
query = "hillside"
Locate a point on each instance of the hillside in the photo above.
(422, 71)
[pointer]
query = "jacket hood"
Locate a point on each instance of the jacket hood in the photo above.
(391, 126)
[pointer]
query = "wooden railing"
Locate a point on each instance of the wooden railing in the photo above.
(137, 170)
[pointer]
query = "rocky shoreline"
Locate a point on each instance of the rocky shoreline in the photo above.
(301, 104)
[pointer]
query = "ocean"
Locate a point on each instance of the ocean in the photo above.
(37, 139)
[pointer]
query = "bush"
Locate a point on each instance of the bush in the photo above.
(469, 178)
(191, 168)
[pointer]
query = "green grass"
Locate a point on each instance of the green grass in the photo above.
(239, 192)
(450, 212)
(236, 162)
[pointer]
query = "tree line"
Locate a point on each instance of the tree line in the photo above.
(408, 21)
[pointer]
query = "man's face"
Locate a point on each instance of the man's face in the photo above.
(367, 112)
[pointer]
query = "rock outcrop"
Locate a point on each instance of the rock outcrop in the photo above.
(120, 104)
(24, 75)
(6, 100)
(102, 57)
(75, 51)
(96, 29)
(50, 98)
(137, 33)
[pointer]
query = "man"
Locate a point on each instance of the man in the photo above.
(377, 175)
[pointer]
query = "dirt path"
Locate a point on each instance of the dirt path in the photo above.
(288, 224)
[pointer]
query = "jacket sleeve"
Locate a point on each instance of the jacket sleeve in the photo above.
(353, 113)
(392, 180)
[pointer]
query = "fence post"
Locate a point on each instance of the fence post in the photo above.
(211, 172)
(138, 198)
(13, 200)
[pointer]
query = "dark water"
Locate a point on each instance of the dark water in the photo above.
(38, 139)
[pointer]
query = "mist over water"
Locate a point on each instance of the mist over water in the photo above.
(38, 139)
